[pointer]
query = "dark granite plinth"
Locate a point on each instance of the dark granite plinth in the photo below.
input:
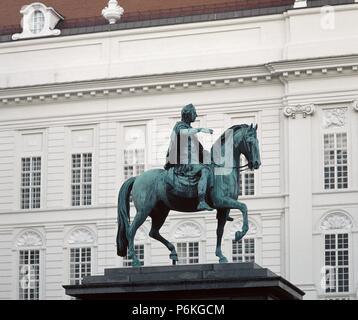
(200, 281)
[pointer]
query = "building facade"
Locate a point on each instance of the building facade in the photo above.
(83, 110)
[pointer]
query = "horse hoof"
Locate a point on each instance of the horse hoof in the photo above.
(238, 235)
(174, 257)
(136, 264)
(223, 260)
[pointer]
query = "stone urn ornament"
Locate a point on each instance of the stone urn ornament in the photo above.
(112, 12)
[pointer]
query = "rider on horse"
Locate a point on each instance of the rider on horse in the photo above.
(187, 156)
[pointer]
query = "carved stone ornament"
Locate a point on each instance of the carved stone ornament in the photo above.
(292, 111)
(237, 226)
(81, 236)
(355, 105)
(29, 239)
(334, 118)
(336, 221)
(38, 21)
(187, 230)
(112, 12)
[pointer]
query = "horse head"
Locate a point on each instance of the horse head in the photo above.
(238, 139)
(248, 144)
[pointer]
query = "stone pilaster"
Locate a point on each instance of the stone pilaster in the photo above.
(299, 188)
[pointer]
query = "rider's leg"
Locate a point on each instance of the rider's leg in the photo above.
(202, 188)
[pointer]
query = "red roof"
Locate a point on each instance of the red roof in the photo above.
(84, 12)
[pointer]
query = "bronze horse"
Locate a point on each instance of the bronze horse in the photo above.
(152, 197)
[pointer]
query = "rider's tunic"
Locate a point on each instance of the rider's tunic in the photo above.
(185, 152)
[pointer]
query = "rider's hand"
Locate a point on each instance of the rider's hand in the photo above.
(205, 130)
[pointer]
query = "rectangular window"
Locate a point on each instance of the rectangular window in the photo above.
(80, 264)
(134, 151)
(139, 249)
(243, 250)
(337, 262)
(81, 186)
(188, 252)
(335, 161)
(247, 180)
(30, 182)
(29, 274)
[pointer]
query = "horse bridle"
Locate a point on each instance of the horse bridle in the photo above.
(246, 166)
(247, 146)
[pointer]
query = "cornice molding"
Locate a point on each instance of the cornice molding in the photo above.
(173, 82)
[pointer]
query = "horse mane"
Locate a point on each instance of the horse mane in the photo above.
(235, 128)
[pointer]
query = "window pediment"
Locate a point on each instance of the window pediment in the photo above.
(336, 221)
(81, 236)
(29, 239)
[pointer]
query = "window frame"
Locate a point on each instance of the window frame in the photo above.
(67, 250)
(16, 265)
(69, 131)
(80, 247)
(249, 237)
(189, 231)
(120, 150)
(81, 184)
(28, 250)
(32, 21)
(335, 165)
(322, 294)
(318, 156)
(337, 294)
(21, 153)
(187, 250)
(31, 186)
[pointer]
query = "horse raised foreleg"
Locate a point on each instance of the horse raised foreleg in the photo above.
(234, 204)
(221, 216)
(137, 222)
(245, 224)
(158, 218)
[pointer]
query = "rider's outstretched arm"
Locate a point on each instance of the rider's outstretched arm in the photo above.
(188, 132)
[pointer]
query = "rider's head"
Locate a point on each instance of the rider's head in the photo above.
(188, 113)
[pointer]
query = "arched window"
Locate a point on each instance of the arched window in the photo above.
(29, 245)
(81, 242)
(37, 21)
(336, 230)
(187, 237)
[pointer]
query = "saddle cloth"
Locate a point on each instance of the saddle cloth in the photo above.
(180, 185)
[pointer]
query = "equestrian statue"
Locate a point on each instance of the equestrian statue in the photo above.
(192, 180)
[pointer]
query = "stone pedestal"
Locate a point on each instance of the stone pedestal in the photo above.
(188, 282)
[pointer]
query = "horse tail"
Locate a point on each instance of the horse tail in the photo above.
(123, 216)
